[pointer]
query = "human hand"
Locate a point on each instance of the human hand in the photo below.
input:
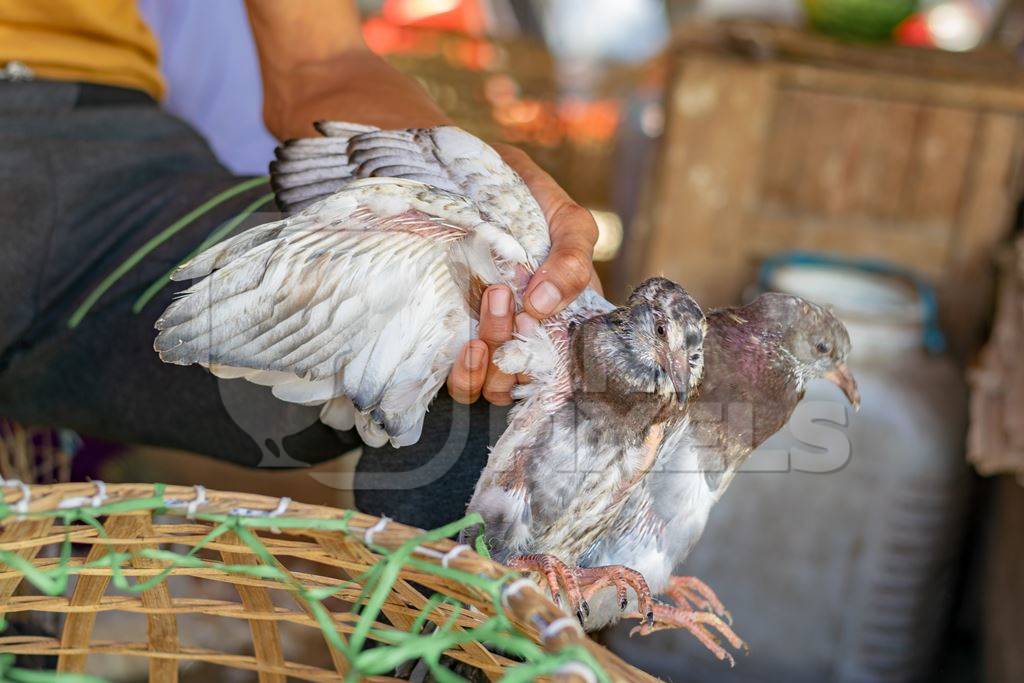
(568, 269)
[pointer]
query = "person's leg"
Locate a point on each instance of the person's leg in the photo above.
(430, 482)
(81, 190)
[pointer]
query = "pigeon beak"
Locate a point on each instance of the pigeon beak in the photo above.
(679, 374)
(841, 376)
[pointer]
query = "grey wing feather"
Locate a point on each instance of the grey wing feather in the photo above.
(445, 157)
(358, 304)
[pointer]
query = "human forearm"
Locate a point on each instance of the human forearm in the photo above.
(316, 66)
(321, 69)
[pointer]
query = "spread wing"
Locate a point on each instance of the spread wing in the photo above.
(359, 303)
(448, 158)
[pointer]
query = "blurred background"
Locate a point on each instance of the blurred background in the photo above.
(862, 153)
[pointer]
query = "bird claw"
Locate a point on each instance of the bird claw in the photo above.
(582, 583)
(691, 591)
(558, 575)
(706, 627)
(593, 579)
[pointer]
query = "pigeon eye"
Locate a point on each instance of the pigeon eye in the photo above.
(660, 330)
(694, 357)
(822, 347)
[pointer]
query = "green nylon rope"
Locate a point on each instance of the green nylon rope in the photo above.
(393, 647)
(166, 234)
(216, 236)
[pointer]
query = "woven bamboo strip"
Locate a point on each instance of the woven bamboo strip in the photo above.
(161, 627)
(13, 534)
(266, 639)
(310, 557)
(88, 591)
(50, 646)
(337, 658)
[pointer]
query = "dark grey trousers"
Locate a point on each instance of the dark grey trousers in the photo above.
(82, 188)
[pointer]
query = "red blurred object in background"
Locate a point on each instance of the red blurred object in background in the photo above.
(914, 31)
(461, 16)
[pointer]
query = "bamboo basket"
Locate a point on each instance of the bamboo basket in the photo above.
(273, 554)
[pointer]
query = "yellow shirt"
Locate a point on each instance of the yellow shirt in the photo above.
(97, 41)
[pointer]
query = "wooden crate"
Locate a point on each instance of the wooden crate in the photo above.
(779, 140)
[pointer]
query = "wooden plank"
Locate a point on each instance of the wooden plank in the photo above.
(764, 154)
(941, 155)
(992, 67)
(710, 173)
(889, 86)
(985, 220)
(922, 247)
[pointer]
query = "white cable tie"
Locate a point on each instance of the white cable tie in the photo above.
(453, 553)
(282, 505)
(101, 493)
(577, 669)
(379, 526)
(190, 505)
(199, 499)
(26, 495)
(559, 625)
(82, 501)
(513, 588)
(429, 552)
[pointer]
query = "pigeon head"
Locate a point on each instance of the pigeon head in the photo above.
(811, 340)
(653, 345)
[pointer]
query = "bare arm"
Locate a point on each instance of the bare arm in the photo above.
(315, 65)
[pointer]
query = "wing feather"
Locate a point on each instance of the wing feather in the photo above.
(359, 303)
(360, 300)
(445, 157)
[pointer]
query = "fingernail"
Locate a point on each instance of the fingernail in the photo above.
(525, 323)
(499, 301)
(545, 298)
(474, 358)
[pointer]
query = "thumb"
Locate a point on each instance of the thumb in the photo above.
(568, 268)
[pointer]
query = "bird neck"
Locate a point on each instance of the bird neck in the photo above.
(751, 385)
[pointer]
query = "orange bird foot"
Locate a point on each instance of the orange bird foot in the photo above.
(689, 591)
(558, 576)
(580, 584)
(706, 627)
(593, 579)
